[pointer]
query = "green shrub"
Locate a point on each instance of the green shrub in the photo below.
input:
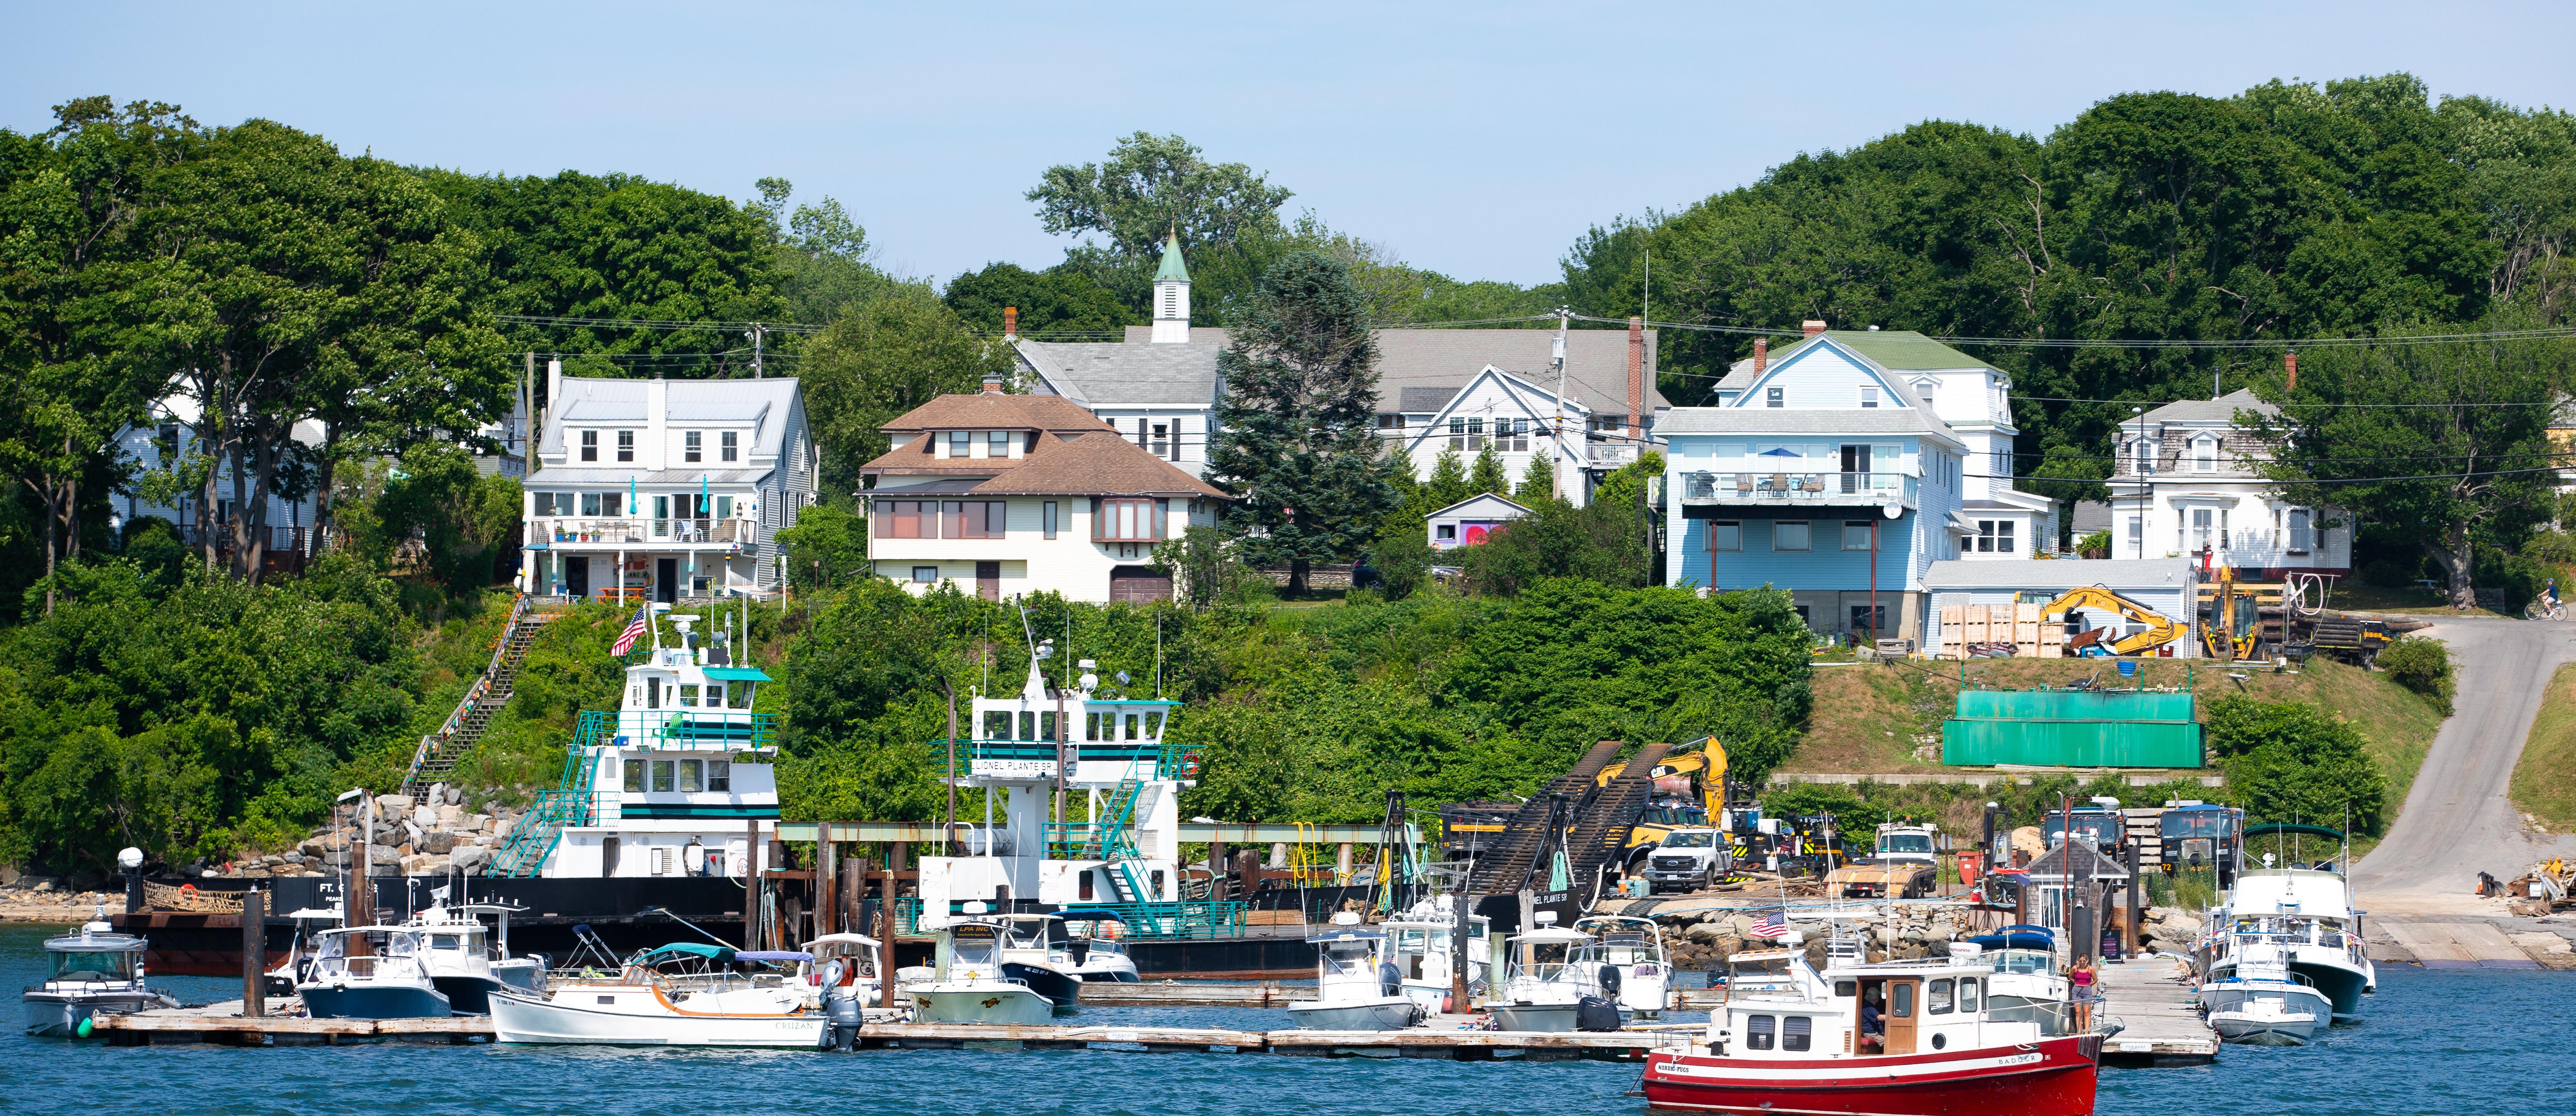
(2290, 761)
(2422, 665)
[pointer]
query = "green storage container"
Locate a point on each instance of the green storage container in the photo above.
(2071, 728)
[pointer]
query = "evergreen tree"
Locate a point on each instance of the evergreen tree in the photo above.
(1538, 482)
(1448, 483)
(1297, 444)
(1488, 475)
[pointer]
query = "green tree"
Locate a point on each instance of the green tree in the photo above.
(824, 265)
(1487, 475)
(1448, 483)
(1052, 301)
(2468, 421)
(1151, 185)
(828, 546)
(1402, 557)
(1539, 480)
(2295, 762)
(1296, 442)
(879, 361)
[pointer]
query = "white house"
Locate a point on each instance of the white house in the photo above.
(170, 439)
(2188, 485)
(1019, 494)
(1467, 522)
(1840, 471)
(1160, 393)
(662, 489)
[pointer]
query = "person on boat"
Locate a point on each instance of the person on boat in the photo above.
(2079, 978)
(1873, 1029)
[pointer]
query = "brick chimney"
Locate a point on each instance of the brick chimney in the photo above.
(1811, 327)
(1636, 377)
(1761, 355)
(992, 383)
(2290, 366)
(1010, 323)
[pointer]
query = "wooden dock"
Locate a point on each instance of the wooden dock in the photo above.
(2160, 1011)
(1257, 994)
(223, 1024)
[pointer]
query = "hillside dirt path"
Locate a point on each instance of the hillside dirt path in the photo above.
(2458, 819)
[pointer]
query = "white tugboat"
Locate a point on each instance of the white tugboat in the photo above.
(1052, 741)
(91, 973)
(677, 782)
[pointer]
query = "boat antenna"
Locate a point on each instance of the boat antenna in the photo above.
(666, 913)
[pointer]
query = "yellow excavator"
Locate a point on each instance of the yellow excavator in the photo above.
(1705, 762)
(2159, 629)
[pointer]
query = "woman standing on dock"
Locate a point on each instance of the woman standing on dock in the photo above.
(2079, 980)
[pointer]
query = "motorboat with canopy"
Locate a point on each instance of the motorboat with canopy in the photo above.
(971, 983)
(682, 994)
(1543, 986)
(1357, 986)
(94, 972)
(372, 972)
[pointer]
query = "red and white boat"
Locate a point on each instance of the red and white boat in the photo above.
(1972, 1034)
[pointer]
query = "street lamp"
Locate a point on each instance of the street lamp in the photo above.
(2138, 415)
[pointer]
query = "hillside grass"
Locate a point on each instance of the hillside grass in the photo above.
(2544, 782)
(1886, 718)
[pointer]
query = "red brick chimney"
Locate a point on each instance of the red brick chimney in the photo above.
(1636, 377)
(1811, 327)
(992, 383)
(2290, 365)
(1010, 323)
(1761, 355)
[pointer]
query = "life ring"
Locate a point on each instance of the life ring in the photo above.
(1190, 763)
(188, 889)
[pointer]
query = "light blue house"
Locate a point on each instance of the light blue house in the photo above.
(1841, 470)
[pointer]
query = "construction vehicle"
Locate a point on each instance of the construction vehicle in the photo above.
(2156, 629)
(2237, 617)
(1690, 793)
(2308, 627)
(1904, 866)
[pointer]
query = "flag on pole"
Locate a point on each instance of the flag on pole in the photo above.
(1770, 926)
(634, 629)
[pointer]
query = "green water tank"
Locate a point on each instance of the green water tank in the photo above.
(2071, 728)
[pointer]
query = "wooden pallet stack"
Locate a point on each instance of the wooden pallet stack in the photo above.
(1984, 631)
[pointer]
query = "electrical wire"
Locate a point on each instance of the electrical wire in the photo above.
(648, 323)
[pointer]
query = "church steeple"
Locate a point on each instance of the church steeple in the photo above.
(1172, 294)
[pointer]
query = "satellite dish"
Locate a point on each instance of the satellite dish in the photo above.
(1890, 510)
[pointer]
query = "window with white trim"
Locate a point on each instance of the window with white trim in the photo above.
(729, 445)
(1869, 398)
(2204, 454)
(693, 446)
(1994, 536)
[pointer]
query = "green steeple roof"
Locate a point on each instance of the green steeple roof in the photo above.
(1173, 270)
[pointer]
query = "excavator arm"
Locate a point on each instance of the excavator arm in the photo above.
(1705, 762)
(2160, 629)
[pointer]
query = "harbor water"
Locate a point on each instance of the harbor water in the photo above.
(2440, 1043)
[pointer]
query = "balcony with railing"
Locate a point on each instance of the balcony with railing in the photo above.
(1792, 489)
(674, 730)
(563, 532)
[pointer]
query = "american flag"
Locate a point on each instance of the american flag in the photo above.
(634, 628)
(1770, 926)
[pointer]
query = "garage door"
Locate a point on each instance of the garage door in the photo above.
(1139, 584)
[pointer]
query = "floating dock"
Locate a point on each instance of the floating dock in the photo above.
(2155, 1002)
(223, 1024)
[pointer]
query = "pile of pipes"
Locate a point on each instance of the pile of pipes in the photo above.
(2541, 889)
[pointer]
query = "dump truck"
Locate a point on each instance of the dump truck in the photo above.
(1903, 866)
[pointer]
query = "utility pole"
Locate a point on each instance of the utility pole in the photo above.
(757, 332)
(1562, 315)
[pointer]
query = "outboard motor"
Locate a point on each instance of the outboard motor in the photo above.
(1390, 980)
(1592, 1013)
(840, 1006)
(1610, 982)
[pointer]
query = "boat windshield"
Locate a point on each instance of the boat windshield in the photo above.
(1685, 840)
(1030, 934)
(1347, 960)
(973, 945)
(94, 965)
(2194, 823)
(1906, 843)
(2022, 961)
(1766, 974)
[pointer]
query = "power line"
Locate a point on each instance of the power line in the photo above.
(2160, 343)
(649, 323)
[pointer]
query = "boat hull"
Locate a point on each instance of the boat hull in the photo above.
(522, 1019)
(56, 1015)
(1060, 987)
(2249, 996)
(2341, 985)
(374, 1001)
(2252, 1028)
(1532, 1017)
(466, 995)
(979, 1002)
(1386, 1013)
(2054, 1077)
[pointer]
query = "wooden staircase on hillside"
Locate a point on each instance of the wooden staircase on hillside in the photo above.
(440, 752)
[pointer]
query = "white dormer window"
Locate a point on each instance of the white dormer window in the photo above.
(2204, 454)
(732, 445)
(1924, 388)
(2142, 457)
(1869, 399)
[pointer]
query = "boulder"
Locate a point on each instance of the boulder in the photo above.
(314, 846)
(426, 817)
(456, 796)
(424, 865)
(437, 842)
(411, 832)
(1704, 932)
(383, 856)
(437, 794)
(475, 821)
(336, 858)
(291, 858)
(471, 858)
(392, 807)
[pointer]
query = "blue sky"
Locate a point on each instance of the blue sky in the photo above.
(1478, 140)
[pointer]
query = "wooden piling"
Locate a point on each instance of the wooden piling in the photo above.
(254, 921)
(755, 884)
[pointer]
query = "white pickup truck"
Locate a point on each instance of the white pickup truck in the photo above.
(1687, 860)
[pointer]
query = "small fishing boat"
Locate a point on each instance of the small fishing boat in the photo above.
(1092, 951)
(969, 984)
(1034, 952)
(1948, 1040)
(684, 994)
(1542, 988)
(2265, 1021)
(1418, 943)
(467, 961)
(94, 972)
(1626, 963)
(1356, 987)
(2259, 1001)
(371, 972)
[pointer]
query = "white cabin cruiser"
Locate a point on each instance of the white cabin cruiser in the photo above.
(1091, 949)
(91, 973)
(1626, 963)
(1357, 987)
(971, 984)
(1542, 987)
(1418, 943)
(1034, 953)
(372, 972)
(683, 994)
(467, 961)
(2256, 999)
(2307, 914)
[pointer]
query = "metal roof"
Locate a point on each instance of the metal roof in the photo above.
(765, 403)
(1102, 374)
(2221, 409)
(2059, 574)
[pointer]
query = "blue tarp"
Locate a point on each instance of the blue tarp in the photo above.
(710, 952)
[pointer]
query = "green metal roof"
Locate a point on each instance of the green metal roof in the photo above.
(1173, 270)
(736, 674)
(1897, 350)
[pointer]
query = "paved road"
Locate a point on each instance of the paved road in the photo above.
(2458, 820)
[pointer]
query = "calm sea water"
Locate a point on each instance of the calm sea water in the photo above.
(2446, 1043)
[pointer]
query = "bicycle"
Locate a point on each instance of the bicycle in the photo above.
(2552, 610)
